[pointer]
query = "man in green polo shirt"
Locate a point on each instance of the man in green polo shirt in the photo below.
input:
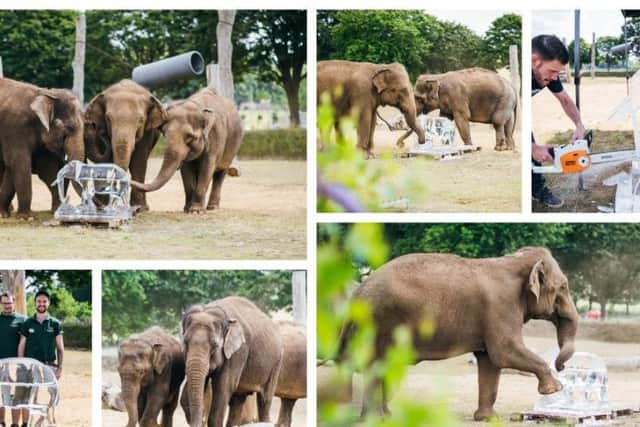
(41, 336)
(10, 323)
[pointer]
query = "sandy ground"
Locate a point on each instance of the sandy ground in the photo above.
(262, 216)
(484, 181)
(599, 98)
(115, 418)
(456, 378)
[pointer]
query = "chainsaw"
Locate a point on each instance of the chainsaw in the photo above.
(569, 158)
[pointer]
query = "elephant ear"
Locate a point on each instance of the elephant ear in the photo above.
(209, 121)
(380, 79)
(431, 88)
(161, 359)
(234, 338)
(534, 279)
(94, 114)
(43, 106)
(157, 114)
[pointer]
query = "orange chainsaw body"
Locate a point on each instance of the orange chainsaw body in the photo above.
(575, 161)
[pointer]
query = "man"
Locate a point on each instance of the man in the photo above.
(41, 338)
(548, 58)
(10, 324)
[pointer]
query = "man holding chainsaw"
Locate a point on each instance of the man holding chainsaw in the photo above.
(549, 56)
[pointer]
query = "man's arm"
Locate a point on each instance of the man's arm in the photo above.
(571, 110)
(60, 355)
(21, 345)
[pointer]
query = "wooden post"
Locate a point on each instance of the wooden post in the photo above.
(226, 19)
(13, 281)
(299, 293)
(514, 67)
(1, 75)
(567, 68)
(78, 60)
(593, 56)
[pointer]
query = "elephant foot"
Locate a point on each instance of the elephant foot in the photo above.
(400, 144)
(143, 207)
(213, 206)
(194, 209)
(499, 148)
(4, 214)
(484, 414)
(549, 386)
(28, 215)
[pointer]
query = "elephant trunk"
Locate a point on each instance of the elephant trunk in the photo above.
(122, 144)
(170, 164)
(567, 326)
(410, 116)
(94, 153)
(74, 147)
(197, 369)
(130, 394)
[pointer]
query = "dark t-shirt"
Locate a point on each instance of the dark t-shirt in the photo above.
(554, 86)
(10, 334)
(41, 338)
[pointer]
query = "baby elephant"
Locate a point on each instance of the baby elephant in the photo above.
(151, 368)
(292, 381)
(203, 134)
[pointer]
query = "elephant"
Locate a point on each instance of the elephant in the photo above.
(470, 95)
(151, 367)
(292, 382)
(475, 305)
(38, 128)
(204, 134)
(122, 126)
(359, 88)
(233, 345)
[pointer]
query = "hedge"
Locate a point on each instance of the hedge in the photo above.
(77, 334)
(289, 144)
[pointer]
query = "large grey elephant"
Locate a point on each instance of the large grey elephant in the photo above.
(470, 95)
(359, 88)
(234, 345)
(203, 133)
(122, 125)
(476, 305)
(292, 382)
(38, 128)
(151, 367)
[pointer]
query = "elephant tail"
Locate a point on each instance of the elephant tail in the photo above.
(515, 112)
(348, 330)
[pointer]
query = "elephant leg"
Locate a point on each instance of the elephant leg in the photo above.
(500, 137)
(216, 187)
(509, 129)
(365, 132)
(462, 123)
(203, 181)
(266, 396)
(47, 168)
(138, 168)
(154, 404)
(374, 395)
(286, 408)
(235, 409)
(7, 192)
(169, 409)
(188, 171)
(488, 380)
(513, 354)
(223, 386)
(371, 132)
(22, 183)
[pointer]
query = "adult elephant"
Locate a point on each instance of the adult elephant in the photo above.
(476, 305)
(470, 95)
(359, 88)
(38, 128)
(292, 382)
(122, 125)
(204, 134)
(234, 345)
(151, 368)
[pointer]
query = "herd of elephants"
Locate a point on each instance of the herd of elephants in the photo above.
(40, 127)
(469, 95)
(230, 349)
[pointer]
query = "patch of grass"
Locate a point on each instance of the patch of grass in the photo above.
(603, 140)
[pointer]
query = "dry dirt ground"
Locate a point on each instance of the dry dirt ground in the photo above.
(263, 216)
(456, 378)
(483, 181)
(599, 98)
(115, 418)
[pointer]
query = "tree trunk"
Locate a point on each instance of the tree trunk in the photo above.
(13, 282)
(291, 87)
(78, 61)
(226, 18)
(603, 309)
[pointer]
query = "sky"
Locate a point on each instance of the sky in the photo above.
(477, 21)
(561, 23)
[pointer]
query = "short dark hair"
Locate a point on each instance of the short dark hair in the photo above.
(550, 48)
(6, 295)
(42, 292)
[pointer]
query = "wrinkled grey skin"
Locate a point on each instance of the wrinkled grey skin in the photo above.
(475, 305)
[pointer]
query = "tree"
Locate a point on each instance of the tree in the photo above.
(585, 52)
(225, 51)
(13, 282)
(276, 45)
(503, 32)
(454, 46)
(78, 60)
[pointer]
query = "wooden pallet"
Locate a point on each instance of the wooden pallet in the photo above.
(574, 420)
(442, 152)
(112, 223)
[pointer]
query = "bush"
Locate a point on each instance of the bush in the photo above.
(77, 334)
(290, 144)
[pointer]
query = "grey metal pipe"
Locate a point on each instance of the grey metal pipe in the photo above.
(186, 65)
(620, 49)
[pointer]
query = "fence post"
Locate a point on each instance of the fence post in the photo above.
(299, 293)
(514, 66)
(593, 55)
(1, 75)
(78, 60)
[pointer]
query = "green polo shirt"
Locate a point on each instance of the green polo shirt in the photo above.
(41, 338)
(10, 334)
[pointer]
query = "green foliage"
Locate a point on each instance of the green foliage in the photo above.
(135, 300)
(70, 292)
(603, 44)
(77, 334)
(288, 144)
(336, 274)
(504, 32)
(36, 46)
(585, 52)
(342, 164)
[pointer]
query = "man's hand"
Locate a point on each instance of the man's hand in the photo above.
(540, 153)
(58, 372)
(578, 133)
